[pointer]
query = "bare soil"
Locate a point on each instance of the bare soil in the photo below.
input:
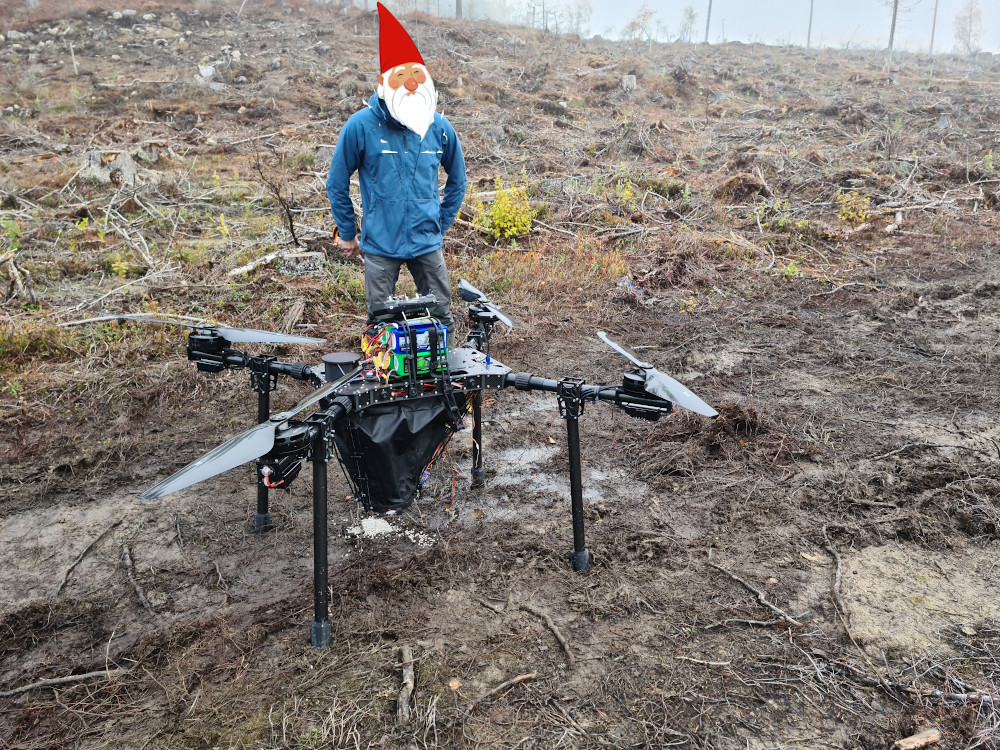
(804, 241)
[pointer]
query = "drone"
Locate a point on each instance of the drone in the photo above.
(387, 413)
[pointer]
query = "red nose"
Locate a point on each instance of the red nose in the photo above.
(410, 84)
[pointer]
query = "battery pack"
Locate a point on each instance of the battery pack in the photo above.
(389, 346)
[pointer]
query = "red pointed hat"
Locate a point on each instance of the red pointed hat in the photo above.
(395, 47)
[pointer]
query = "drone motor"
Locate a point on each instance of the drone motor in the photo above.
(282, 463)
(208, 342)
(634, 382)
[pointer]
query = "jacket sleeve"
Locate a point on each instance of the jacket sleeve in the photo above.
(454, 189)
(347, 157)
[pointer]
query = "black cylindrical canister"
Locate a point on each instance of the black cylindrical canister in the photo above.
(338, 364)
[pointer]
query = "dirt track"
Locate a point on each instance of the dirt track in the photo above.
(737, 219)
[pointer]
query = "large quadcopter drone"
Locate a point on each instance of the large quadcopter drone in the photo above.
(387, 414)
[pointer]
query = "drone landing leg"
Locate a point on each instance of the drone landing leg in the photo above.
(263, 382)
(570, 393)
(478, 469)
(321, 612)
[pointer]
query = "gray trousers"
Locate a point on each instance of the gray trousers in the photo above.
(429, 274)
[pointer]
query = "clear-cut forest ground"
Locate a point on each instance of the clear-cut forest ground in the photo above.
(806, 243)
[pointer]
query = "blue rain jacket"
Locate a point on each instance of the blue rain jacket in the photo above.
(404, 215)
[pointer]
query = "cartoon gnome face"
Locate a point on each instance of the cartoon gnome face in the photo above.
(405, 85)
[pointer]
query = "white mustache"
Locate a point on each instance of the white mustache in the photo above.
(413, 110)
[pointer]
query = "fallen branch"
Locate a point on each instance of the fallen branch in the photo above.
(102, 318)
(277, 255)
(403, 702)
(543, 225)
(971, 698)
(127, 559)
(835, 588)
(886, 208)
(489, 606)
(18, 288)
(703, 662)
(69, 679)
(917, 741)
(552, 626)
(611, 237)
(83, 554)
(150, 276)
(501, 687)
(927, 445)
(470, 225)
(750, 623)
(842, 286)
(760, 596)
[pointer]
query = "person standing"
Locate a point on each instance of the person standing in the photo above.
(397, 145)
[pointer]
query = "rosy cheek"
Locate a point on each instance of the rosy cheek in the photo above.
(394, 83)
(419, 76)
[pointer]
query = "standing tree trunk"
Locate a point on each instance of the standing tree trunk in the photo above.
(809, 34)
(458, 8)
(892, 32)
(934, 26)
(708, 21)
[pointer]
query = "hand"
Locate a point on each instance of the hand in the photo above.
(350, 247)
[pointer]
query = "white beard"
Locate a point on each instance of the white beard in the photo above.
(414, 111)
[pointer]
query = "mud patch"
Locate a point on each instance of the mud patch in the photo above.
(904, 597)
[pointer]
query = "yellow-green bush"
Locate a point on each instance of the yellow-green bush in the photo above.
(509, 214)
(855, 209)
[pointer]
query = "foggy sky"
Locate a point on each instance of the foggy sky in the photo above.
(835, 22)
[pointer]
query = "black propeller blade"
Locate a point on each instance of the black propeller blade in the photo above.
(241, 449)
(661, 384)
(233, 335)
(469, 293)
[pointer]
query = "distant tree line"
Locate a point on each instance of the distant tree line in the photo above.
(573, 16)
(559, 16)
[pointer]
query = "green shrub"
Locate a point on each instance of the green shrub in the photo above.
(855, 209)
(509, 214)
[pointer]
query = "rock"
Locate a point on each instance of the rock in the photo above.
(148, 17)
(628, 83)
(240, 80)
(16, 47)
(116, 57)
(116, 16)
(236, 54)
(129, 13)
(275, 64)
(15, 34)
(206, 71)
(2, 39)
